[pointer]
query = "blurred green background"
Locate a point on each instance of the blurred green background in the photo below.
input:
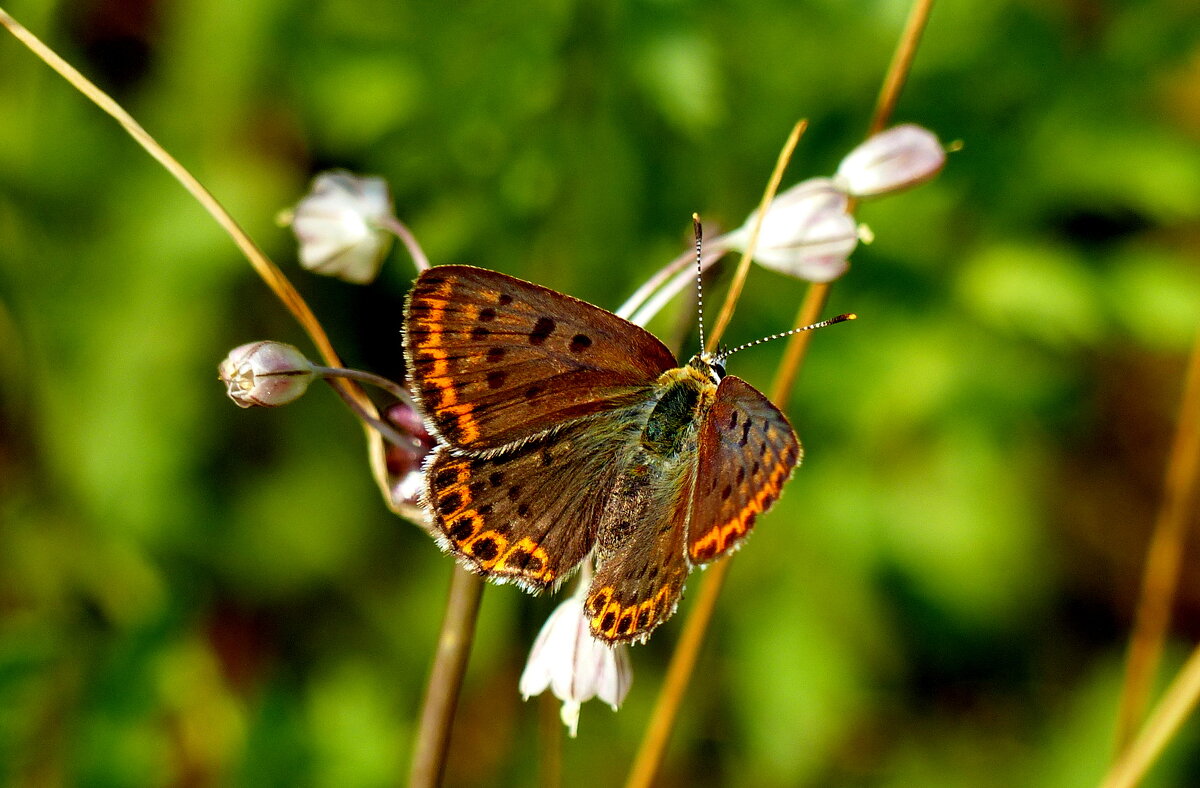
(193, 594)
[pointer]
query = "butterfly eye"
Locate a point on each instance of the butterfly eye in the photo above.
(718, 371)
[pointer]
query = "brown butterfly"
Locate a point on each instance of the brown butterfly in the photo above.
(565, 429)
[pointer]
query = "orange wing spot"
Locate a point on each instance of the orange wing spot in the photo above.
(486, 548)
(447, 396)
(536, 561)
(708, 545)
(467, 425)
(645, 614)
(441, 366)
(605, 622)
(463, 528)
(597, 600)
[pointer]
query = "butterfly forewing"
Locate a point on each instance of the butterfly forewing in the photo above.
(747, 450)
(524, 516)
(495, 360)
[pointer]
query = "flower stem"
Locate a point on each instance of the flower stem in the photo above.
(390, 386)
(1177, 703)
(683, 661)
(400, 229)
(389, 433)
(268, 271)
(445, 679)
(743, 268)
(1161, 575)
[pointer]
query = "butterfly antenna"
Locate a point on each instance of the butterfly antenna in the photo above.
(839, 319)
(699, 276)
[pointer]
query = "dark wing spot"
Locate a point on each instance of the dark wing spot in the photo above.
(517, 559)
(726, 492)
(462, 529)
(768, 499)
(533, 391)
(597, 602)
(626, 623)
(790, 457)
(485, 549)
(523, 510)
(750, 518)
(542, 329)
(643, 618)
(733, 420)
(766, 425)
(496, 479)
(450, 504)
(608, 620)
(514, 493)
(745, 434)
(706, 552)
(754, 471)
(496, 378)
(480, 333)
(741, 475)
(533, 564)
(494, 355)
(547, 458)
(504, 300)
(477, 487)
(580, 342)
(445, 476)
(429, 279)
(487, 315)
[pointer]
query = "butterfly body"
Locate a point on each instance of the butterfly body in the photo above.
(564, 430)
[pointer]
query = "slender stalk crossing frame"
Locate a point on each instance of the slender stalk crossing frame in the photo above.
(679, 672)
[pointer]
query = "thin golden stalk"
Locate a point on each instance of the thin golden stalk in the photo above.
(743, 268)
(445, 679)
(270, 273)
(683, 661)
(466, 589)
(1177, 703)
(1161, 576)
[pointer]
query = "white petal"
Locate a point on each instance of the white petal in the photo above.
(895, 159)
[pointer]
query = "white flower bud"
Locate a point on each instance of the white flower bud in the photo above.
(891, 160)
(806, 232)
(339, 225)
(574, 665)
(265, 374)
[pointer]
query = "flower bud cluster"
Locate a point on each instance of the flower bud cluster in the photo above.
(809, 232)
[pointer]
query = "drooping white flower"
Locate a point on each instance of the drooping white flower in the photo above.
(806, 232)
(891, 160)
(575, 666)
(265, 374)
(340, 226)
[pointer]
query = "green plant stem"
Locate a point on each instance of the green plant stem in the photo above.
(1161, 575)
(683, 661)
(445, 679)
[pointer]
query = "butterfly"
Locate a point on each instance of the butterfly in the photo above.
(564, 429)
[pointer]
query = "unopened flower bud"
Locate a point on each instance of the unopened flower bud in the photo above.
(406, 479)
(891, 160)
(574, 665)
(806, 232)
(339, 226)
(265, 374)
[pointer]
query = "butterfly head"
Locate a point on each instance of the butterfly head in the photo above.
(709, 365)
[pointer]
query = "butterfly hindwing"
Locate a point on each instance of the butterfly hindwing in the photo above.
(495, 360)
(640, 553)
(747, 450)
(523, 515)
